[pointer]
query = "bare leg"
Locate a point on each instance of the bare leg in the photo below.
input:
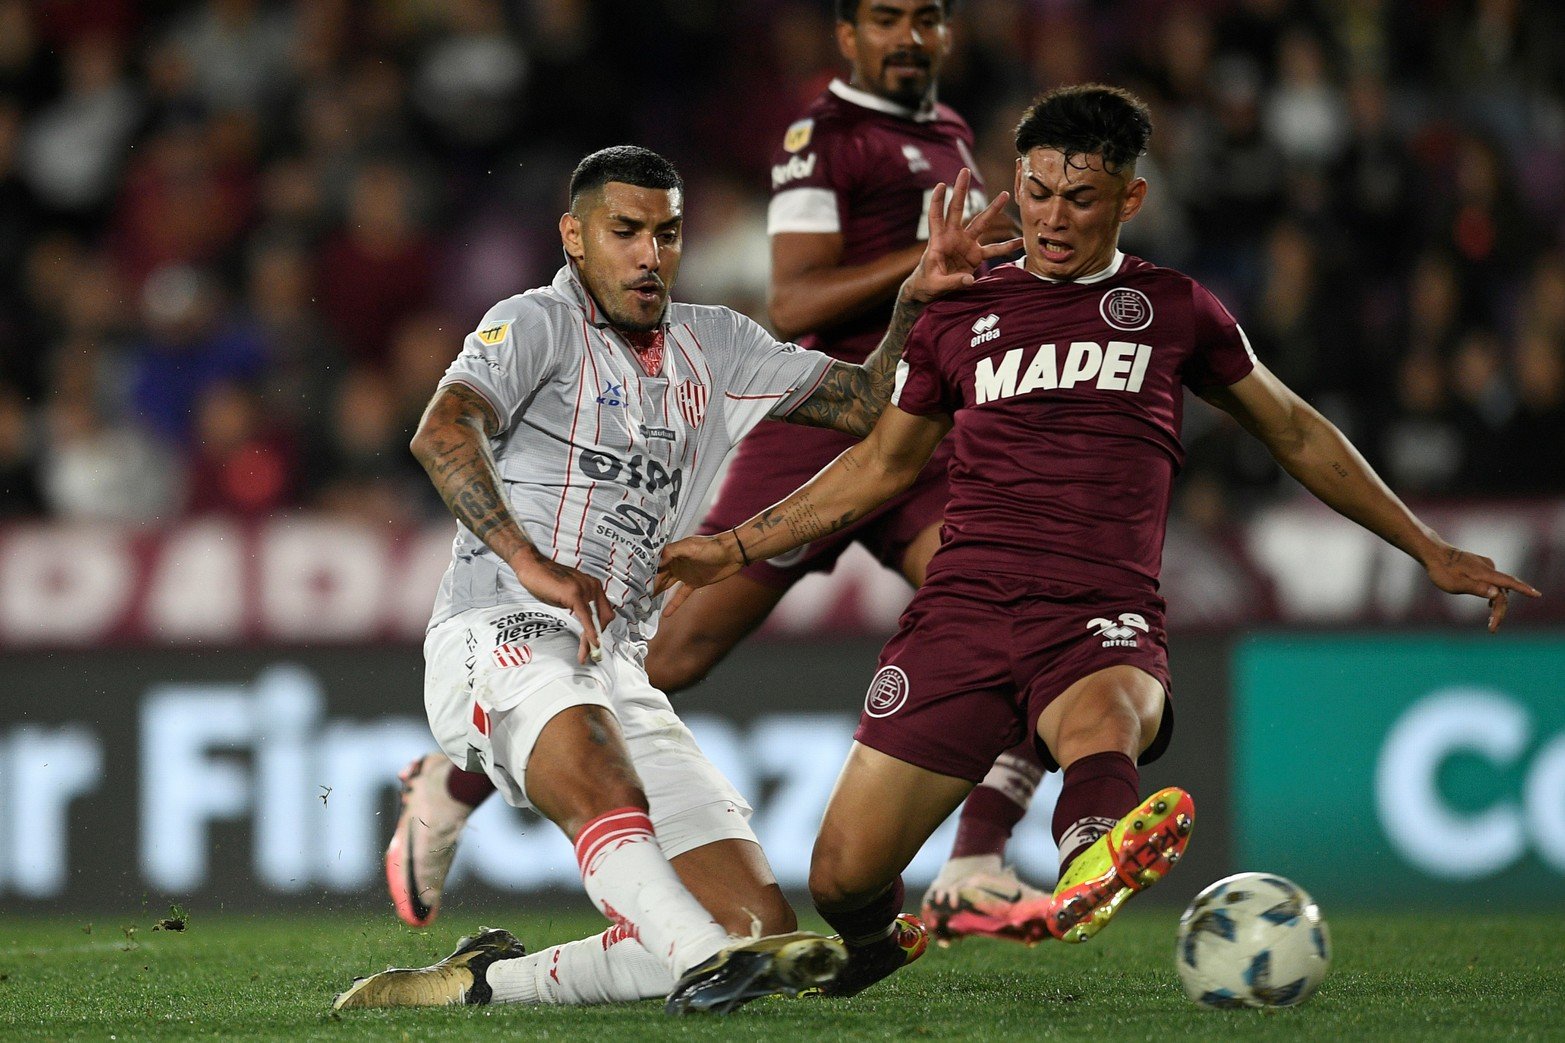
(700, 635)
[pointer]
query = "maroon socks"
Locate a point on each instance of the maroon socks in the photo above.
(1099, 790)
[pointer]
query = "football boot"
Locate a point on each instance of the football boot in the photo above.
(424, 842)
(1133, 855)
(977, 903)
(777, 965)
(455, 980)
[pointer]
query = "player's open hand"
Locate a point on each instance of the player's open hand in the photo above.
(695, 561)
(1458, 571)
(956, 249)
(568, 588)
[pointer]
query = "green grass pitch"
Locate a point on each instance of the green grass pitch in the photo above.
(273, 977)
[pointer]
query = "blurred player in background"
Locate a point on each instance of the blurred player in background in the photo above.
(848, 221)
(1061, 380)
(576, 433)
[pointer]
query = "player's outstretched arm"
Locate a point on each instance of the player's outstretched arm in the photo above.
(865, 476)
(850, 398)
(1309, 447)
(452, 442)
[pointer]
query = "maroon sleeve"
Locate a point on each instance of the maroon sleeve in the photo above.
(1222, 353)
(921, 387)
(815, 154)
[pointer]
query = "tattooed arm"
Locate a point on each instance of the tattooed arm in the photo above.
(851, 398)
(865, 476)
(453, 444)
(1312, 450)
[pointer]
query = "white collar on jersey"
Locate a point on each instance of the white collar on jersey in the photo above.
(1098, 276)
(866, 100)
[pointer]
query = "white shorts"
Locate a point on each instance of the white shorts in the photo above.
(493, 677)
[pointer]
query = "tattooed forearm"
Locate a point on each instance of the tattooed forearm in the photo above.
(802, 521)
(453, 445)
(851, 398)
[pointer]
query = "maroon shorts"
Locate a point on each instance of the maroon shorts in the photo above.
(978, 657)
(760, 476)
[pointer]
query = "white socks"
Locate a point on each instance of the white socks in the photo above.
(629, 880)
(611, 967)
(659, 930)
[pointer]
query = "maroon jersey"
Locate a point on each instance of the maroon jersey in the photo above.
(862, 167)
(1067, 398)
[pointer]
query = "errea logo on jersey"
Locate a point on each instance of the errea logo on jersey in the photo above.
(1119, 367)
(985, 330)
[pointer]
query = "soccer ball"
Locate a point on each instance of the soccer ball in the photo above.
(1252, 940)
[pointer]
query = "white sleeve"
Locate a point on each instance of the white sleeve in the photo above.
(803, 210)
(506, 357)
(769, 378)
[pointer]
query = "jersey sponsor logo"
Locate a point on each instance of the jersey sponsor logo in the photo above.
(1126, 309)
(636, 528)
(917, 162)
(985, 330)
(887, 693)
(666, 434)
(524, 626)
(507, 655)
(690, 396)
(798, 135)
(637, 472)
(796, 168)
(494, 334)
(1121, 366)
(612, 394)
(1120, 633)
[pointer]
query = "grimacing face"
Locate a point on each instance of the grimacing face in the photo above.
(626, 241)
(896, 47)
(1071, 211)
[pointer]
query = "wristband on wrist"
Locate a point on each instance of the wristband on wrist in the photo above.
(737, 540)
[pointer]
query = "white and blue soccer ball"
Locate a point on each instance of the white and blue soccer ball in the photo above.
(1252, 940)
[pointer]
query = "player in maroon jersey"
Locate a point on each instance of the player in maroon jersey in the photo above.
(848, 221)
(1060, 380)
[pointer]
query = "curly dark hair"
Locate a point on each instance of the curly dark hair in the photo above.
(627, 164)
(1088, 119)
(848, 10)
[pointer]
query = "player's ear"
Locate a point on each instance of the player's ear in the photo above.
(1135, 195)
(570, 236)
(848, 42)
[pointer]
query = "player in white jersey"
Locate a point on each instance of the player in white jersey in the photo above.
(573, 437)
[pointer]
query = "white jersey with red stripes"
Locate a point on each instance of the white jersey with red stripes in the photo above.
(603, 462)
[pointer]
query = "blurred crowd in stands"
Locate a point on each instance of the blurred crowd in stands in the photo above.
(241, 239)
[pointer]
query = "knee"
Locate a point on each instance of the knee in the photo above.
(673, 668)
(839, 880)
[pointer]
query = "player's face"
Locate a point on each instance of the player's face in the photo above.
(896, 47)
(1071, 212)
(627, 243)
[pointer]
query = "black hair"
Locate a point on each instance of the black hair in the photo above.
(1088, 119)
(627, 164)
(848, 10)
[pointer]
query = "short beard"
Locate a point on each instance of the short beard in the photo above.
(629, 325)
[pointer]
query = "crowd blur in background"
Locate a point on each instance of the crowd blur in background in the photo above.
(240, 240)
